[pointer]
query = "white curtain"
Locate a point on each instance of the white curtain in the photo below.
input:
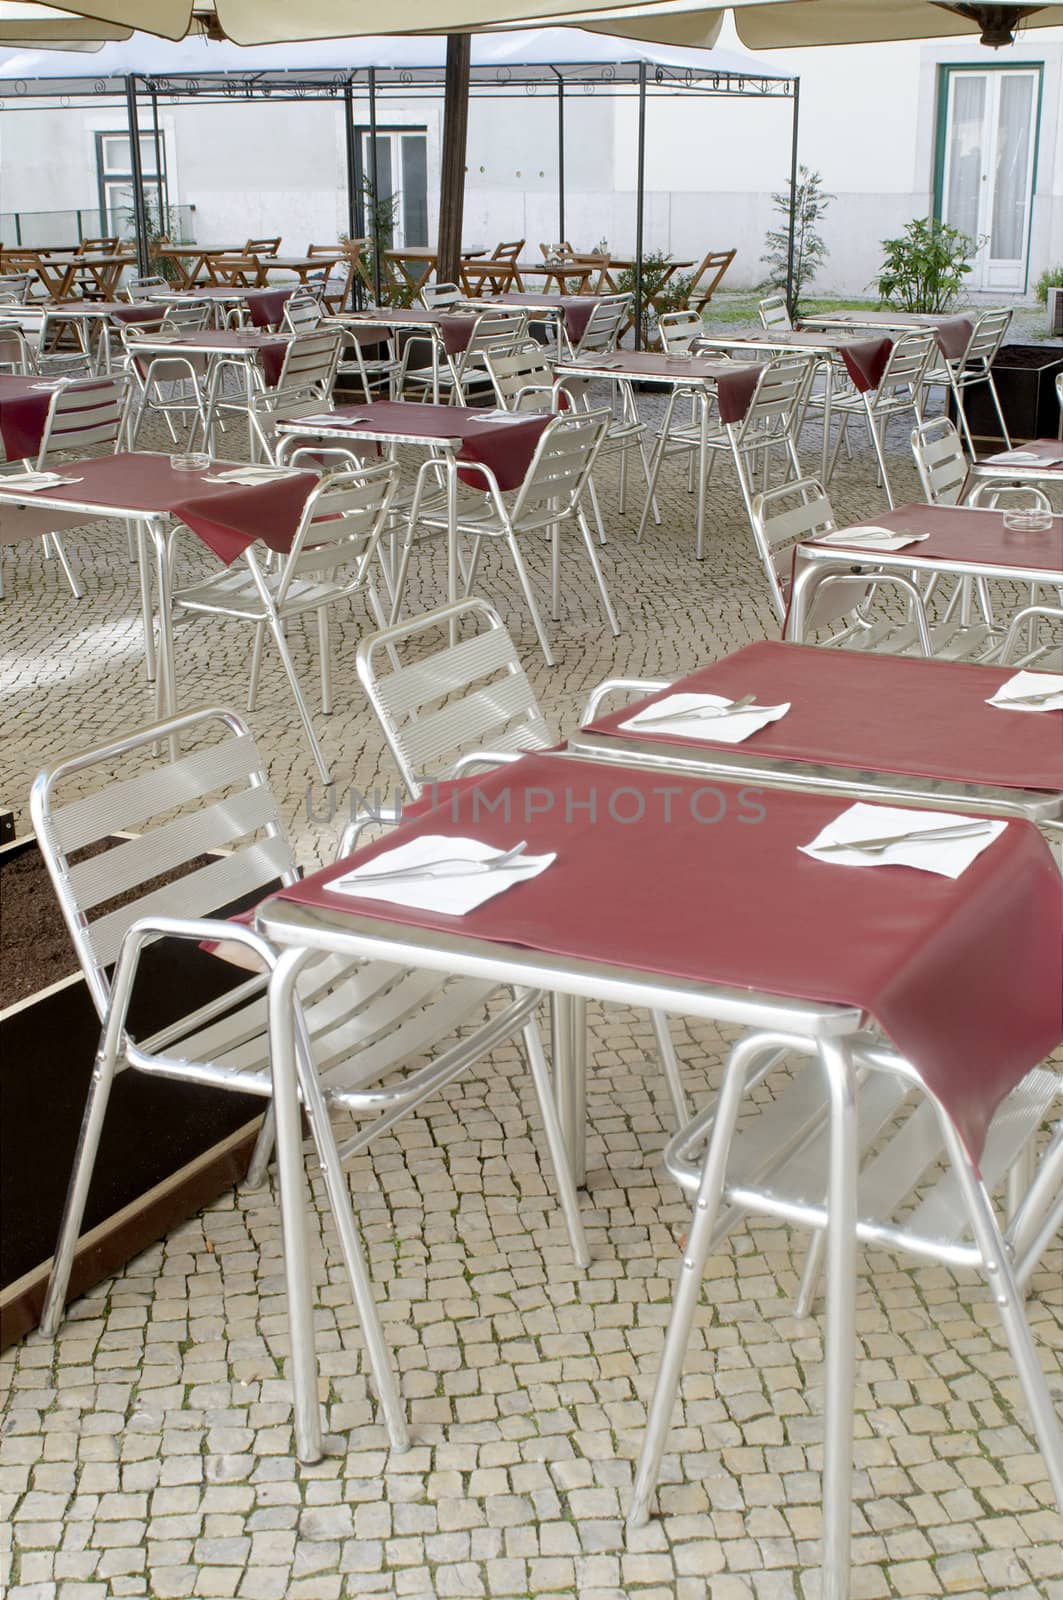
(1007, 240)
(965, 151)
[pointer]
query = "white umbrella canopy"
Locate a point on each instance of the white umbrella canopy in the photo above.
(784, 24)
(47, 28)
(282, 21)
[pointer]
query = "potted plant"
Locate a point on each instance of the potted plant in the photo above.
(168, 1148)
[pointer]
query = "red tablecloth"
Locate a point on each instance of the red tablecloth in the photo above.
(735, 381)
(576, 310)
(228, 517)
(865, 359)
(270, 352)
(953, 335)
(964, 976)
(23, 413)
(960, 533)
(139, 313)
(267, 305)
(506, 447)
(852, 708)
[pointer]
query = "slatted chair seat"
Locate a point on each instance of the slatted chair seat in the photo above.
(382, 1037)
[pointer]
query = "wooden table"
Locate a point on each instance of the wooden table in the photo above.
(191, 260)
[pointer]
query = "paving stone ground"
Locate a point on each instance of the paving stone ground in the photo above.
(148, 1452)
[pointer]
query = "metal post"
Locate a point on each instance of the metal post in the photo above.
(561, 234)
(352, 185)
(373, 193)
(140, 220)
(452, 174)
(640, 204)
(791, 240)
(160, 165)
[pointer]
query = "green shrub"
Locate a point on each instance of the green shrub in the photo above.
(924, 269)
(1051, 278)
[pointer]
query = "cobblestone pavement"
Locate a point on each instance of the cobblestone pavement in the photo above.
(149, 1451)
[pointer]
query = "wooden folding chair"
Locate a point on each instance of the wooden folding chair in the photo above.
(702, 291)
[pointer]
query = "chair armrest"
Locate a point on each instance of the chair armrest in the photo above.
(485, 759)
(617, 685)
(386, 817)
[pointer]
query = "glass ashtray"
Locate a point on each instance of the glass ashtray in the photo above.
(1028, 521)
(191, 461)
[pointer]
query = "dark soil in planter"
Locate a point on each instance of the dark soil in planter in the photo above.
(154, 1127)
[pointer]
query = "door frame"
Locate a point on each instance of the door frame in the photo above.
(945, 71)
(362, 133)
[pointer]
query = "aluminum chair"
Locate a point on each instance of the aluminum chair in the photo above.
(497, 331)
(16, 356)
(170, 385)
(900, 391)
(524, 380)
(974, 366)
(15, 287)
(604, 326)
(549, 499)
(1046, 654)
(371, 355)
(374, 1041)
(143, 288)
(774, 312)
(468, 703)
(303, 312)
(304, 385)
(918, 1191)
(83, 417)
(791, 513)
(678, 330)
(440, 296)
(331, 560)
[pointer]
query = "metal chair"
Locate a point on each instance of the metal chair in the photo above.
(304, 384)
(973, 366)
(171, 385)
(918, 1190)
(440, 296)
(374, 1041)
(1047, 654)
(548, 500)
(330, 560)
(15, 287)
(940, 461)
(16, 356)
(774, 312)
(523, 380)
(303, 312)
(678, 330)
(497, 331)
(899, 391)
(468, 703)
(604, 326)
(143, 288)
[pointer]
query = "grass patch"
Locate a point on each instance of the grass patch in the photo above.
(738, 308)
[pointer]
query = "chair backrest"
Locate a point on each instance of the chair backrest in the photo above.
(188, 318)
(562, 251)
(310, 361)
(439, 296)
(103, 246)
(328, 249)
(778, 401)
(560, 467)
(788, 515)
(15, 287)
(302, 311)
(605, 324)
(82, 416)
(678, 330)
(940, 461)
(987, 335)
(508, 250)
(707, 278)
(499, 329)
(523, 380)
(340, 526)
(262, 247)
(773, 312)
(137, 288)
(213, 797)
(434, 707)
(15, 353)
(911, 355)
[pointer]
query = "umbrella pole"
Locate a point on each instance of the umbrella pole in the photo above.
(455, 134)
(561, 234)
(640, 205)
(792, 233)
(140, 220)
(374, 191)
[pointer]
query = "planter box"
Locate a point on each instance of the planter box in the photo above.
(1025, 376)
(168, 1148)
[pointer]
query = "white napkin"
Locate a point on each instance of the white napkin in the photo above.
(253, 474)
(1025, 683)
(949, 857)
(453, 895)
(1021, 456)
(31, 481)
(869, 537)
(723, 730)
(514, 416)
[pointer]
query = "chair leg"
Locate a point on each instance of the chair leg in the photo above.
(592, 555)
(555, 1141)
(877, 442)
(670, 1066)
(304, 714)
(323, 650)
(256, 665)
(522, 576)
(262, 1154)
(996, 403)
(596, 508)
(957, 395)
(77, 1194)
(65, 564)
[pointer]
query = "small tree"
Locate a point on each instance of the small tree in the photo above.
(924, 269)
(810, 249)
(662, 289)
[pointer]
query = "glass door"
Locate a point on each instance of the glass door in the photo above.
(987, 179)
(402, 183)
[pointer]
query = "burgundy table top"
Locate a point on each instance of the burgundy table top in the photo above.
(506, 445)
(269, 348)
(706, 883)
(228, 517)
(23, 413)
(735, 382)
(577, 309)
(853, 708)
(865, 359)
(963, 534)
(953, 331)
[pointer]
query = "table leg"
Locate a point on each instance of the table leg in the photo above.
(839, 1357)
(453, 567)
(303, 1360)
(568, 1037)
(828, 397)
(147, 615)
(703, 451)
(162, 537)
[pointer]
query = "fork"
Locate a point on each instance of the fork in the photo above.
(956, 830)
(454, 867)
(1029, 699)
(703, 713)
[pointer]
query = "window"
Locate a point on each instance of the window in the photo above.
(402, 180)
(114, 173)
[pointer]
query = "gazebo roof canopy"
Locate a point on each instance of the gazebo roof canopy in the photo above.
(517, 61)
